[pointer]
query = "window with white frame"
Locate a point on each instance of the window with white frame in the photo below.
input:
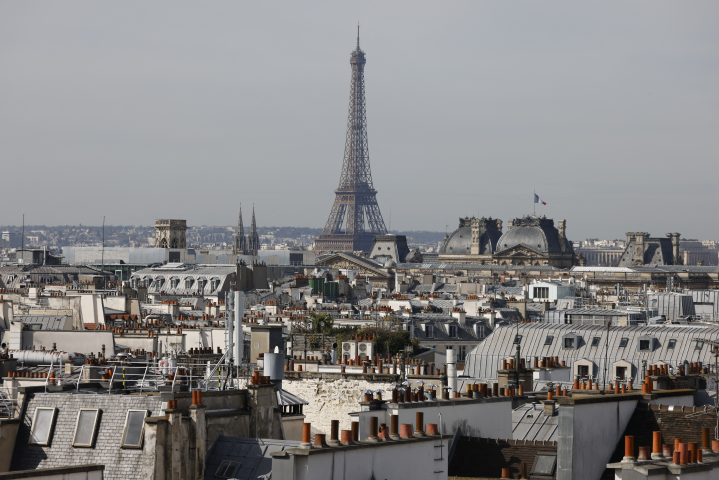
(42, 424)
(541, 292)
(461, 353)
(85, 427)
(134, 428)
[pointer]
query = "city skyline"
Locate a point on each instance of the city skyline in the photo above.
(470, 109)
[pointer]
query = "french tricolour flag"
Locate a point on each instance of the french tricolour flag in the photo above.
(539, 200)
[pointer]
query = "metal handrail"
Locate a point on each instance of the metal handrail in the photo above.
(212, 372)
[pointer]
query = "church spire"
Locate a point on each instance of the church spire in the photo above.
(240, 247)
(253, 241)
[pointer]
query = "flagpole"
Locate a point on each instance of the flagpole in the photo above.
(534, 202)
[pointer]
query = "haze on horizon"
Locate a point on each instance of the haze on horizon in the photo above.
(143, 110)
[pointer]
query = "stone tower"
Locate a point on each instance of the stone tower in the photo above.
(170, 233)
(240, 247)
(253, 240)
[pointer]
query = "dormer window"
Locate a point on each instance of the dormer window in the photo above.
(429, 331)
(452, 330)
(570, 341)
(646, 343)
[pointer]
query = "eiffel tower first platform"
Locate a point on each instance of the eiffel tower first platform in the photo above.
(355, 217)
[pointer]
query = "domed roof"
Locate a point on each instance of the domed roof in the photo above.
(389, 263)
(536, 233)
(460, 242)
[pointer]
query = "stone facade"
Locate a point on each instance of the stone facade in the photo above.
(333, 396)
(170, 233)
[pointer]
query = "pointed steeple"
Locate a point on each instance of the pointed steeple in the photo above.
(253, 241)
(240, 247)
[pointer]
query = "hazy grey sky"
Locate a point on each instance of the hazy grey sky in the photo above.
(137, 110)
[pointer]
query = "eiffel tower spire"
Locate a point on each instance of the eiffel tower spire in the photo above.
(240, 247)
(355, 197)
(253, 240)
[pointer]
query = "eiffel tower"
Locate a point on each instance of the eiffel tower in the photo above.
(355, 198)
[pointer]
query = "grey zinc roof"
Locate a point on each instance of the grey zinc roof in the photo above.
(537, 233)
(47, 322)
(366, 302)
(441, 330)
(472, 266)
(251, 454)
(530, 423)
(286, 398)
(484, 360)
(460, 242)
(516, 291)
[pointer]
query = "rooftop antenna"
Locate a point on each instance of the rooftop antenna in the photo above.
(390, 221)
(22, 248)
(104, 285)
(358, 35)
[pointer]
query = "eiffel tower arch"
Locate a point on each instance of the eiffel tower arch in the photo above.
(355, 217)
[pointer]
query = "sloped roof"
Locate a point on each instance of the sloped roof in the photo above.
(286, 398)
(484, 360)
(46, 322)
(485, 457)
(530, 423)
(251, 454)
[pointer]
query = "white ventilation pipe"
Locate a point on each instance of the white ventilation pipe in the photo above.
(230, 338)
(452, 369)
(46, 357)
(239, 314)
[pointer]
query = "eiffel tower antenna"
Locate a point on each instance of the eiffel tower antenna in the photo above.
(355, 198)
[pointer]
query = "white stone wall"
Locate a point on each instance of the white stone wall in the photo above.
(333, 397)
(95, 256)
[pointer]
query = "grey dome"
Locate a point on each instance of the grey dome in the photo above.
(460, 242)
(536, 233)
(389, 263)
